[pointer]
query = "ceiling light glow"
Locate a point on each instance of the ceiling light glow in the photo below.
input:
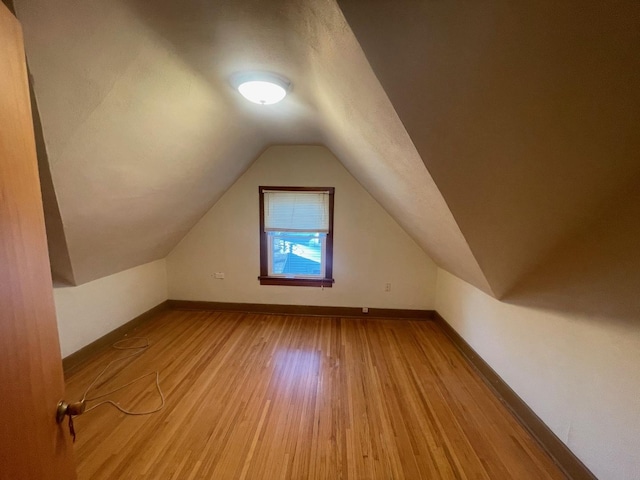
(262, 88)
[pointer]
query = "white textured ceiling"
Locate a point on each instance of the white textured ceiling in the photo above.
(144, 132)
(524, 117)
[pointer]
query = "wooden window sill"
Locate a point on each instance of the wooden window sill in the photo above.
(297, 282)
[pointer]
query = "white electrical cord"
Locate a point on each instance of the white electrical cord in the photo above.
(141, 349)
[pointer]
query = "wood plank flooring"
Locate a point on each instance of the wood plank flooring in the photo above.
(252, 396)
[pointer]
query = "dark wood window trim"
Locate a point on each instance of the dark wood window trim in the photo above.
(264, 277)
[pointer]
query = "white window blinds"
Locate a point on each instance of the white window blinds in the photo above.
(296, 211)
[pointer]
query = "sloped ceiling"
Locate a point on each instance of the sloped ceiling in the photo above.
(526, 114)
(144, 132)
(493, 133)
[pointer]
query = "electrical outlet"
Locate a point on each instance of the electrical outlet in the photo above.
(387, 287)
(219, 275)
(365, 309)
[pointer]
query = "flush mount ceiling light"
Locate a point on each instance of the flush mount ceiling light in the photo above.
(261, 87)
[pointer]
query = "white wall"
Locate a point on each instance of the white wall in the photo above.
(89, 311)
(579, 374)
(370, 248)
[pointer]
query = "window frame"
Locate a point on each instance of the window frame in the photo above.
(264, 277)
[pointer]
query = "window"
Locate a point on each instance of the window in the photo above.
(296, 236)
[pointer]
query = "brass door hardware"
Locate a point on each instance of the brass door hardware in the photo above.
(72, 410)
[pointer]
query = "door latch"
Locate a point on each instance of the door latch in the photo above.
(71, 410)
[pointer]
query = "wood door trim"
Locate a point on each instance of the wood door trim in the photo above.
(562, 455)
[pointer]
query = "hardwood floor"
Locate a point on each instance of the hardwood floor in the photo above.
(252, 396)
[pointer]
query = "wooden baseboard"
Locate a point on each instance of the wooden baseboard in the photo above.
(77, 358)
(312, 310)
(566, 460)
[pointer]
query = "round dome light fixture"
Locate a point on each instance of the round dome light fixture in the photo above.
(261, 87)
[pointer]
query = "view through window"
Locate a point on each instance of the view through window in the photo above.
(296, 236)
